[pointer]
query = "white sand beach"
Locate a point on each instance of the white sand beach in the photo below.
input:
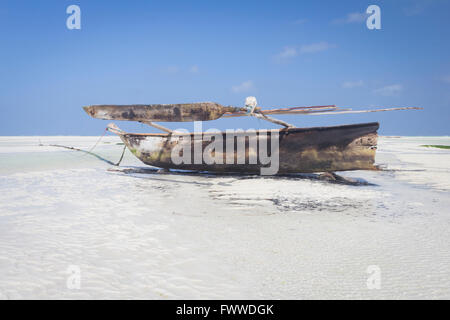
(172, 236)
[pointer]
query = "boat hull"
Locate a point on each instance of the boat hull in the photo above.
(300, 150)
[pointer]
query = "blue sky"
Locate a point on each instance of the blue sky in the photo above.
(286, 53)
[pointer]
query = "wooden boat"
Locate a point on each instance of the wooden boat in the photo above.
(295, 150)
(320, 149)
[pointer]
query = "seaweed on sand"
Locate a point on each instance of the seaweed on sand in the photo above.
(435, 146)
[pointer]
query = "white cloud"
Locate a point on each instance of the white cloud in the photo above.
(286, 54)
(243, 87)
(194, 69)
(315, 47)
(172, 69)
(299, 21)
(290, 52)
(391, 90)
(417, 7)
(352, 84)
(353, 17)
(356, 17)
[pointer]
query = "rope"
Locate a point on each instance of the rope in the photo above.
(90, 150)
(76, 149)
(121, 157)
(98, 141)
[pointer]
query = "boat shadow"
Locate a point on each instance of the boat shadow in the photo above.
(328, 177)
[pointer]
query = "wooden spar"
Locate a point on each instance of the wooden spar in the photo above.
(204, 111)
(277, 121)
(317, 111)
(295, 110)
(276, 111)
(182, 112)
(157, 126)
(363, 111)
(298, 109)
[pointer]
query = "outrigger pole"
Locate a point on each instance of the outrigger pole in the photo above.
(157, 126)
(250, 104)
(205, 111)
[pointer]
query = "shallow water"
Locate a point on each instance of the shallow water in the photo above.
(165, 236)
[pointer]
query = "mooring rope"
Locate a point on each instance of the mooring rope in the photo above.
(121, 157)
(98, 141)
(90, 150)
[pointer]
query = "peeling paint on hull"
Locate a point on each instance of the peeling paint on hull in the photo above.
(301, 150)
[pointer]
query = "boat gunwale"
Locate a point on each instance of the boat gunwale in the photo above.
(283, 130)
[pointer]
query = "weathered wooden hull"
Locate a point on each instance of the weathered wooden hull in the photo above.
(301, 150)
